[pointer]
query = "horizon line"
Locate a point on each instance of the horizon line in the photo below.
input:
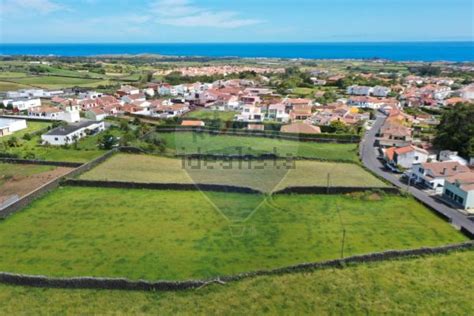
(237, 42)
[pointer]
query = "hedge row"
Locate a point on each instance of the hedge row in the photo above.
(330, 138)
(41, 162)
(143, 285)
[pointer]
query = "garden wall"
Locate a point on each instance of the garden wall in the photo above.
(143, 285)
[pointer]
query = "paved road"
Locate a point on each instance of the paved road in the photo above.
(369, 154)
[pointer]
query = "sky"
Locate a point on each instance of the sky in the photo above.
(193, 21)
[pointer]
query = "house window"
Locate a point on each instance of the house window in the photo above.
(55, 138)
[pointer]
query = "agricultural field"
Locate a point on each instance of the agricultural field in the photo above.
(9, 86)
(265, 176)
(192, 143)
(56, 82)
(145, 234)
(439, 284)
(20, 179)
(206, 114)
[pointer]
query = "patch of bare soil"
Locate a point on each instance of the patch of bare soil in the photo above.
(22, 185)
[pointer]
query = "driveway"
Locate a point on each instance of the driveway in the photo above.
(368, 153)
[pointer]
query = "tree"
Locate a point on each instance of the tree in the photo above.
(339, 127)
(456, 130)
(107, 141)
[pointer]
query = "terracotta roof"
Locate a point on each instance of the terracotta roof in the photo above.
(301, 128)
(192, 123)
(465, 180)
(445, 169)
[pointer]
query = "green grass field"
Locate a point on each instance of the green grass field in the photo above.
(191, 143)
(261, 175)
(10, 86)
(438, 285)
(205, 114)
(178, 235)
(56, 82)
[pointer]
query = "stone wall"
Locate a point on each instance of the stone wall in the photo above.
(41, 162)
(143, 285)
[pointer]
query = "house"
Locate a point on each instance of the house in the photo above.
(47, 112)
(64, 135)
(301, 112)
(459, 189)
(366, 102)
(447, 155)
(300, 128)
(359, 90)
(23, 104)
(134, 97)
(277, 112)
(405, 156)
(394, 135)
(96, 114)
(127, 90)
(193, 123)
(10, 126)
(433, 174)
(251, 113)
(90, 95)
(380, 91)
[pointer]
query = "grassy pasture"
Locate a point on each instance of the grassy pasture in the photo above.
(191, 143)
(56, 82)
(177, 235)
(261, 175)
(437, 285)
(206, 114)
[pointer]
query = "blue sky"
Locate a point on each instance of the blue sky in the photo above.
(90, 21)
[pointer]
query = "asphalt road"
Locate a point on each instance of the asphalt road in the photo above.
(369, 153)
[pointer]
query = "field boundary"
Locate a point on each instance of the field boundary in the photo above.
(160, 186)
(144, 285)
(221, 187)
(41, 162)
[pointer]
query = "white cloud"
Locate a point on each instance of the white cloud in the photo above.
(40, 6)
(184, 13)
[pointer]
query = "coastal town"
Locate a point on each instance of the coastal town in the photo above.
(195, 167)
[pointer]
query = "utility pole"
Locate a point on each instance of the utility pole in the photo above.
(343, 242)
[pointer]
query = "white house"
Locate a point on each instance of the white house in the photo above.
(406, 156)
(447, 155)
(277, 112)
(434, 174)
(380, 91)
(460, 190)
(69, 134)
(70, 114)
(359, 90)
(90, 95)
(467, 92)
(9, 126)
(24, 104)
(251, 113)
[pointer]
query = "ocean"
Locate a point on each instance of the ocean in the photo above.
(406, 51)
